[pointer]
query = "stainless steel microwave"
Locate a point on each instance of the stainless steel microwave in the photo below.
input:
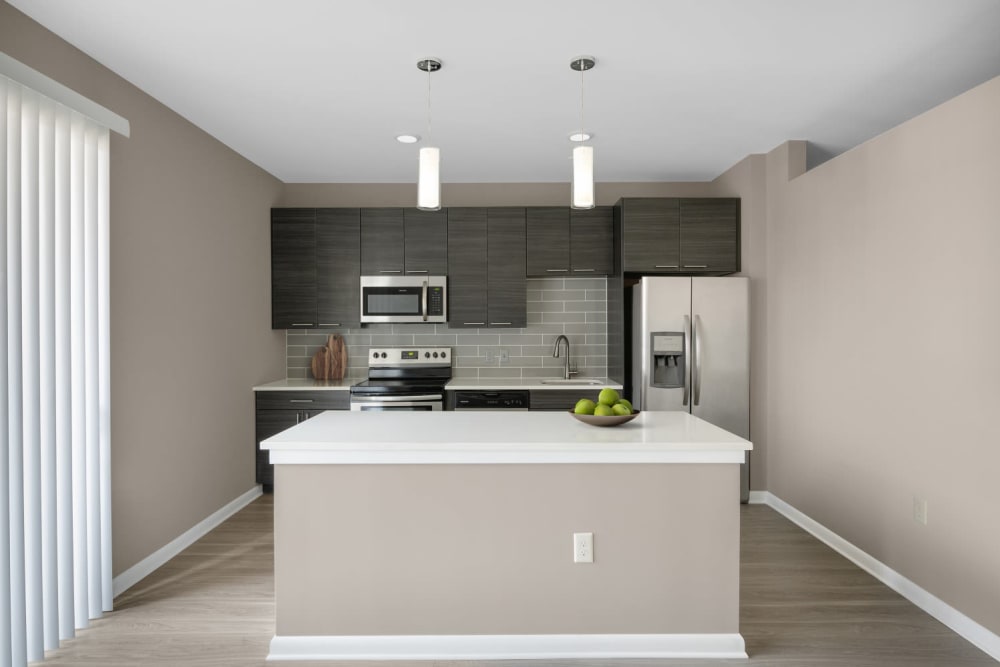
(404, 299)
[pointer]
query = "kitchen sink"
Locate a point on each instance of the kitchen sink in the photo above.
(580, 381)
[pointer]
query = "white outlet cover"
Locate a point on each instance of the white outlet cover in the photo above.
(583, 547)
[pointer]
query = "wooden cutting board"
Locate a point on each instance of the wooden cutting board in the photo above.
(330, 361)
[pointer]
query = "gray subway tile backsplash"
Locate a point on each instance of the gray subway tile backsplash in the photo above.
(576, 307)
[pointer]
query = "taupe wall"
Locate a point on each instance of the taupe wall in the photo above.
(883, 362)
(190, 303)
(476, 194)
(746, 179)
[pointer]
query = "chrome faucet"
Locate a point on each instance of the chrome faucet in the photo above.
(555, 353)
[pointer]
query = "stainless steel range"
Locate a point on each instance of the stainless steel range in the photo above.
(404, 378)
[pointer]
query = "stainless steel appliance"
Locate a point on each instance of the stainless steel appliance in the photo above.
(408, 378)
(513, 399)
(404, 299)
(691, 351)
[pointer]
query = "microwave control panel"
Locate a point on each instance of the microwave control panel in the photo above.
(435, 300)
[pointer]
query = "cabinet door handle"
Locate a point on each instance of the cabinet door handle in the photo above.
(302, 324)
(417, 271)
(666, 266)
(478, 324)
(584, 270)
(497, 324)
(696, 266)
(329, 324)
(389, 271)
(556, 270)
(300, 400)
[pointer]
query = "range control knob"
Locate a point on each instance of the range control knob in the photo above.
(374, 355)
(427, 355)
(435, 355)
(384, 355)
(444, 354)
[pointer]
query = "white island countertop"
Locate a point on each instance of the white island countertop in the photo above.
(342, 437)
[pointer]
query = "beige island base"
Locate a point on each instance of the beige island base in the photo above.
(450, 536)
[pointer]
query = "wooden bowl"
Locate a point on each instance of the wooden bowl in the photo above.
(613, 420)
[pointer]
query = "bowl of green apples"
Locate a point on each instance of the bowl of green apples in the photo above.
(609, 410)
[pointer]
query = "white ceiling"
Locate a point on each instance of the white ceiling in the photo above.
(316, 90)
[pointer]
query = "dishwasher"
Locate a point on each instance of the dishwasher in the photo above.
(492, 400)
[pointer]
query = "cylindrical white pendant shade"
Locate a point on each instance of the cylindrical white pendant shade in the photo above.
(583, 177)
(429, 180)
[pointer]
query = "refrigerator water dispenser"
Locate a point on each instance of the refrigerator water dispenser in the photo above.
(667, 359)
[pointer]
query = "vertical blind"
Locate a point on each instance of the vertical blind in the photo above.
(55, 513)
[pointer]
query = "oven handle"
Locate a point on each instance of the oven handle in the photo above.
(396, 399)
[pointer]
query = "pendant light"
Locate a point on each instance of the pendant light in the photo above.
(583, 156)
(429, 176)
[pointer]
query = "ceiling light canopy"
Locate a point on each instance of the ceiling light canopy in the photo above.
(407, 138)
(583, 156)
(429, 175)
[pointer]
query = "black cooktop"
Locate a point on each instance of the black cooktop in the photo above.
(408, 386)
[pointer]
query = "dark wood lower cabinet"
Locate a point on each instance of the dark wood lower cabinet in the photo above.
(559, 399)
(280, 410)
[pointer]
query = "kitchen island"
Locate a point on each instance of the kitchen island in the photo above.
(406, 535)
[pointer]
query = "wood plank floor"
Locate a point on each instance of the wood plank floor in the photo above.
(802, 604)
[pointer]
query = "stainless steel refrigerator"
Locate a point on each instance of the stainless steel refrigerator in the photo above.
(691, 351)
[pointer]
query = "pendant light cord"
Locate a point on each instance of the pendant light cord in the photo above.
(429, 105)
(582, 131)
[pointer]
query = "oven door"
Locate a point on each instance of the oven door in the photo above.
(421, 403)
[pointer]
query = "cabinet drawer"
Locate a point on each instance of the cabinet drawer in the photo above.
(304, 400)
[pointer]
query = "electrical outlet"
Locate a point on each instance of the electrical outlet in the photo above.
(583, 547)
(920, 510)
(504, 356)
(490, 356)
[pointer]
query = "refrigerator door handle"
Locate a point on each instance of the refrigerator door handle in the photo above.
(696, 370)
(687, 355)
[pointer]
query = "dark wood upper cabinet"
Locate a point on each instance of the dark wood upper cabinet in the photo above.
(467, 267)
(382, 241)
(293, 268)
(680, 236)
(506, 287)
(710, 235)
(568, 242)
(591, 241)
(650, 234)
(548, 237)
(425, 245)
(338, 267)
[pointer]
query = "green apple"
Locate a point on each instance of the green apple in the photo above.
(621, 409)
(584, 406)
(625, 402)
(603, 410)
(608, 397)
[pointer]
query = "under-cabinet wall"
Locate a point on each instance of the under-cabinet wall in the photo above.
(576, 307)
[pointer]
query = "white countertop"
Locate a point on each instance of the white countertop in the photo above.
(473, 384)
(486, 384)
(307, 384)
(342, 437)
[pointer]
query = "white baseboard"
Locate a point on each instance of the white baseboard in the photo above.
(150, 563)
(975, 633)
(506, 647)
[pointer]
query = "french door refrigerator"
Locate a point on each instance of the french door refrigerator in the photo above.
(691, 351)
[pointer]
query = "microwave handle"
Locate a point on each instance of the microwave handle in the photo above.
(424, 293)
